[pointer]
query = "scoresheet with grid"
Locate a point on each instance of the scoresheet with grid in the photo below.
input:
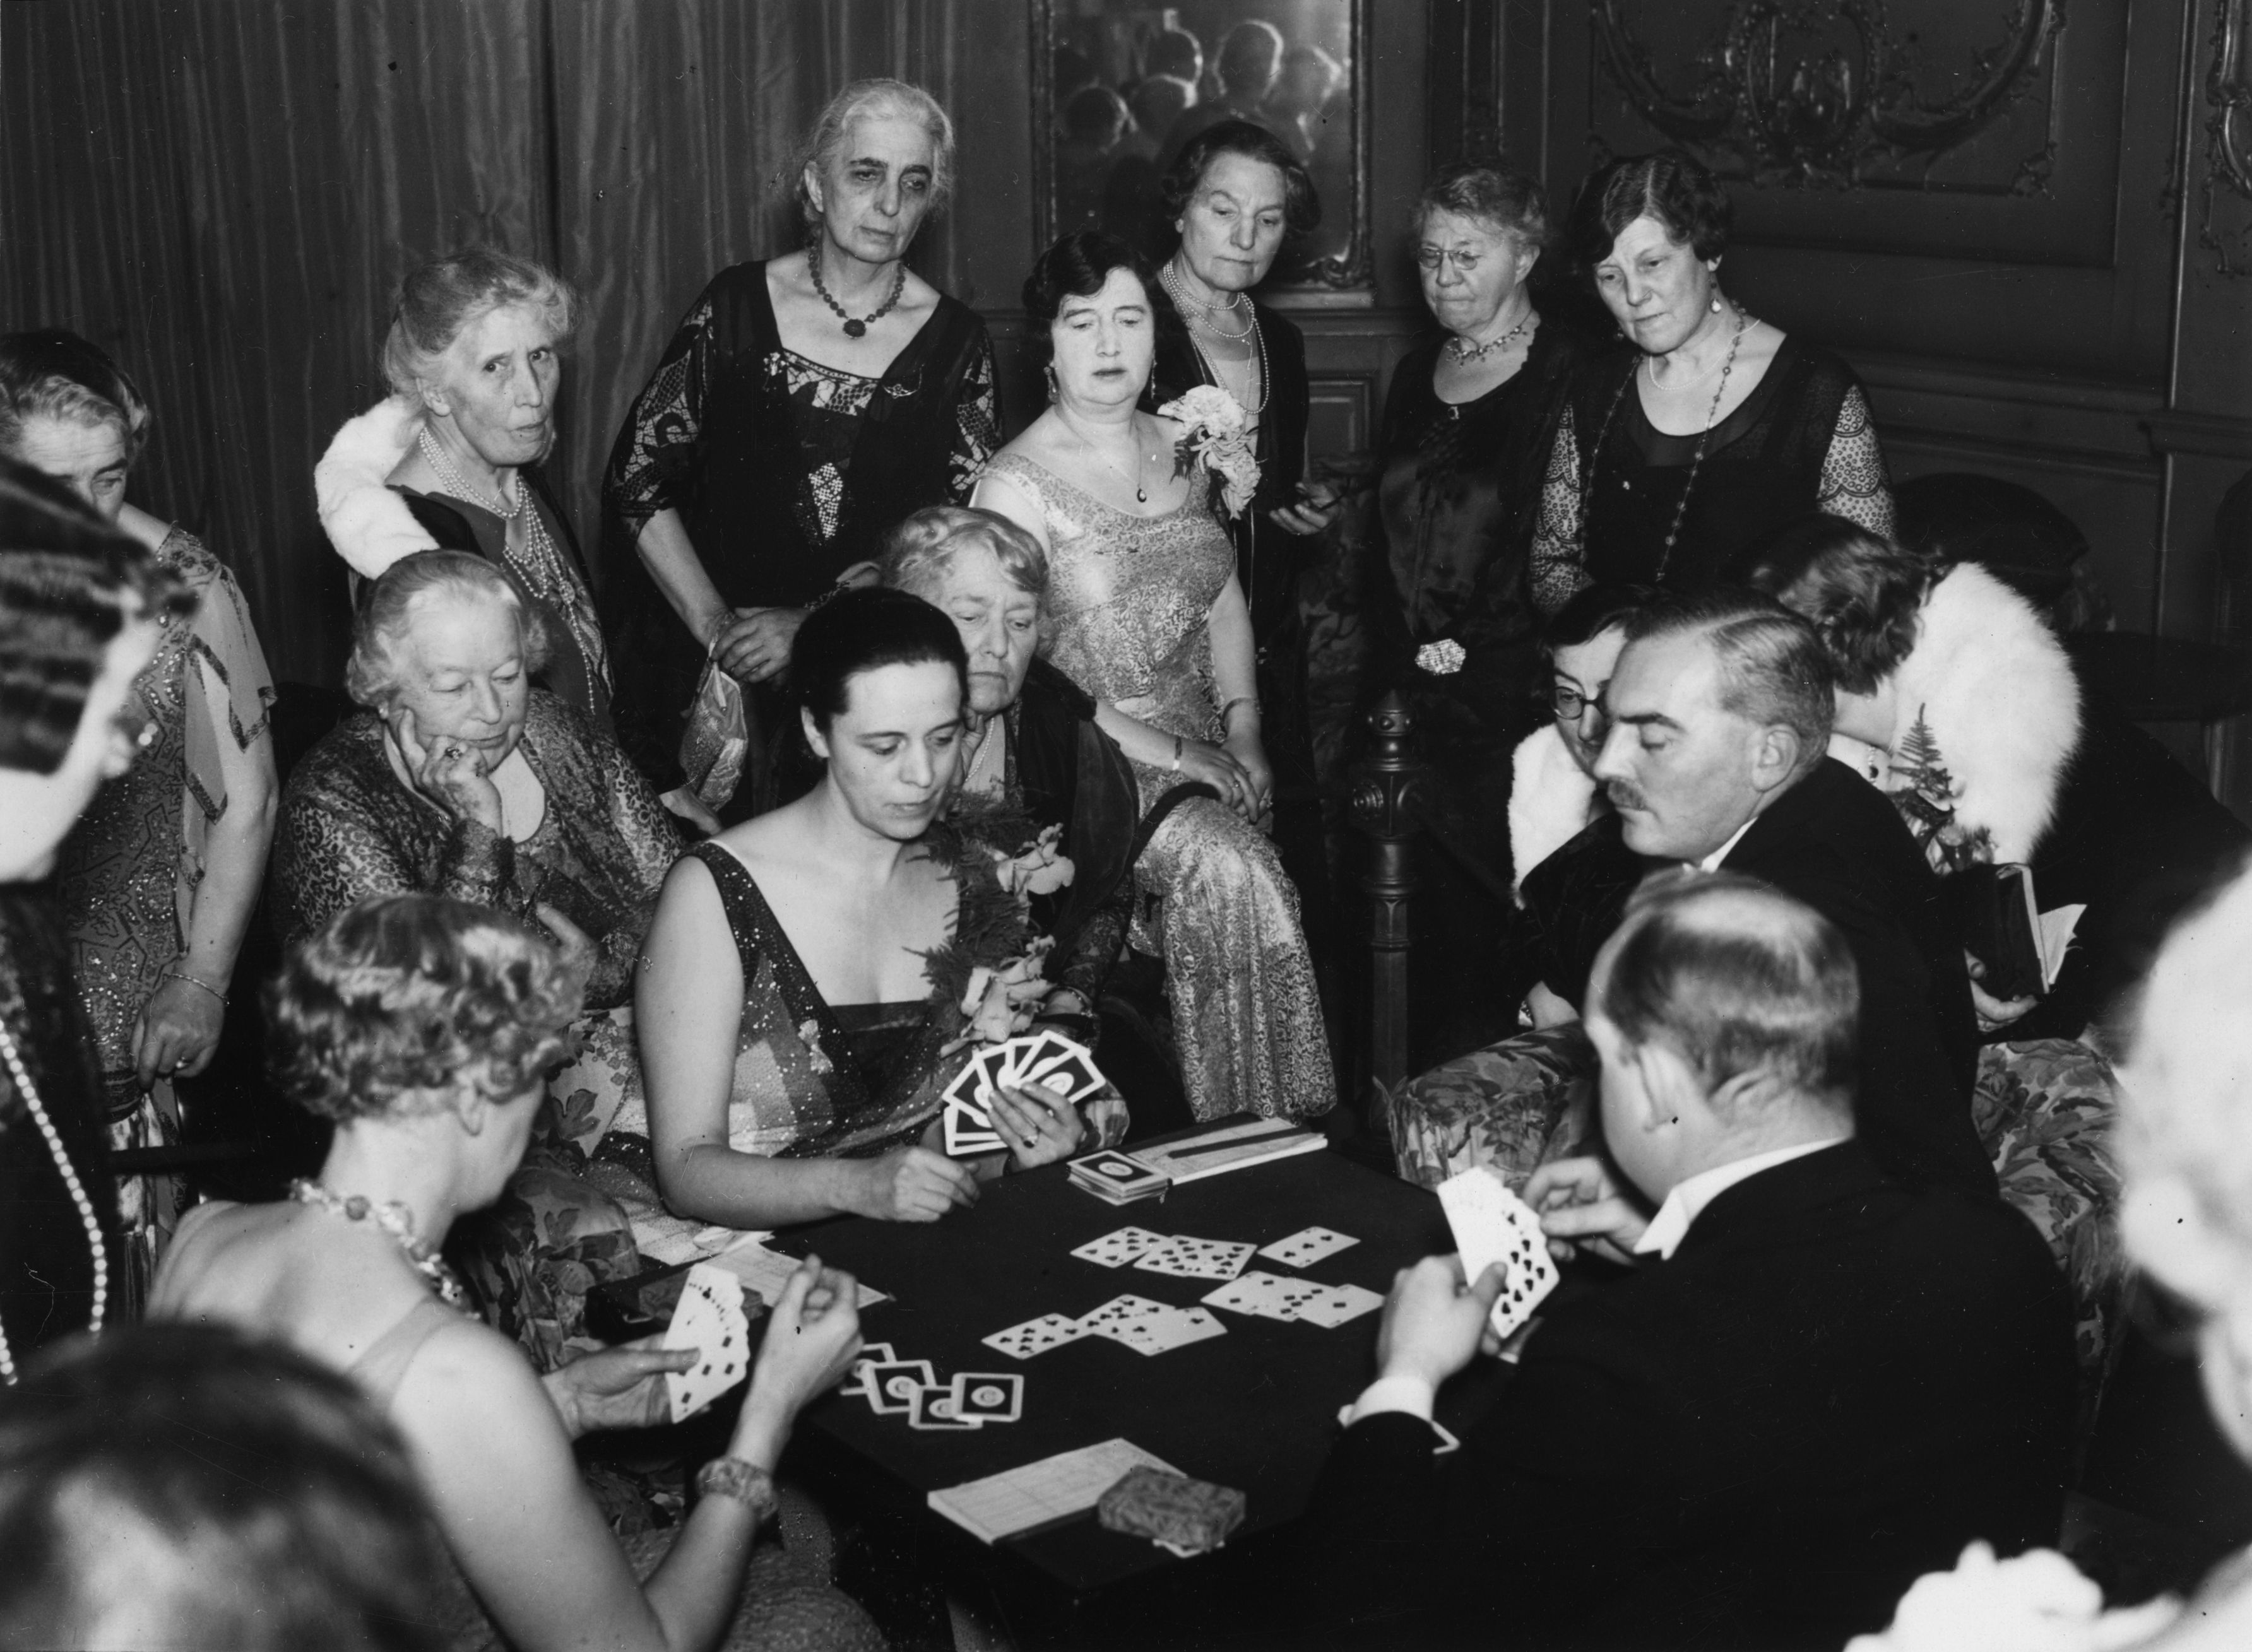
(1039, 1494)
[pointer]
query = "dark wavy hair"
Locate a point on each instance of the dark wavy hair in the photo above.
(286, 1501)
(1736, 978)
(1862, 593)
(68, 583)
(1671, 186)
(864, 630)
(1301, 202)
(1593, 610)
(1076, 265)
(401, 999)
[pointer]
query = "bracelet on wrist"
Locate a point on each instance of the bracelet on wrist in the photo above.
(827, 597)
(1178, 749)
(1228, 710)
(743, 1483)
(173, 972)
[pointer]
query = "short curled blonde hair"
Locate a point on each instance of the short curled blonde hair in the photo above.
(404, 1000)
(387, 612)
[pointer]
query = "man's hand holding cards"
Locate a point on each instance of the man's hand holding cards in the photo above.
(1582, 1208)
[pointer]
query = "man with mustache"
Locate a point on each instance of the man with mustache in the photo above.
(1721, 708)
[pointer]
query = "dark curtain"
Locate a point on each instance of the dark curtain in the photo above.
(224, 195)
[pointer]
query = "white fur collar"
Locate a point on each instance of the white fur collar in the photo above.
(1994, 686)
(369, 524)
(1550, 798)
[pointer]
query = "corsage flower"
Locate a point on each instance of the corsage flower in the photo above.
(1219, 433)
(809, 1034)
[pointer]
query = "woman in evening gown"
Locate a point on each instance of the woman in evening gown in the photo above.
(1149, 620)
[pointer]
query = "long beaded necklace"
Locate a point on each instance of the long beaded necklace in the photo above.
(1696, 458)
(21, 1076)
(853, 328)
(397, 1221)
(541, 563)
(1172, 285)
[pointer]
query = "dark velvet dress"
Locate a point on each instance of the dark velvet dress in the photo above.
(47, 1261)
(785, 473)
(1804, 440)
(1459, 496)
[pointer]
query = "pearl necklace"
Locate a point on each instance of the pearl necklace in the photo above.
(1696, 458)
(22, 1079)
(541, 565)
(1252, 331)
(396, 1221)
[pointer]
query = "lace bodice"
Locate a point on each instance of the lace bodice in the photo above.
(1131, 598)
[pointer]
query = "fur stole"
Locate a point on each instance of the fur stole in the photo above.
(1550, 799)
(368, 524)
(1995, 692)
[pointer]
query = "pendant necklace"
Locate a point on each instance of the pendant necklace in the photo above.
(396, 1222)
(20, 1075)
(855, 327)
(1140, 493)
(1464, 352)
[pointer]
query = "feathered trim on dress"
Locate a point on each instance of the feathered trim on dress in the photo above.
(1997, 693)
(1550, 797)
(367, 521)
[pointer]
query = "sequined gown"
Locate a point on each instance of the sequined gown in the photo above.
(130, 870)
(1131, 599)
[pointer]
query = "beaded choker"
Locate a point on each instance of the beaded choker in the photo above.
(396, 1221)
(855, 327)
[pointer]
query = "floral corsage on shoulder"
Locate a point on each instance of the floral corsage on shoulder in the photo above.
(1219, 434)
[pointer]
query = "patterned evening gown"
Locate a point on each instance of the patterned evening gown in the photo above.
(1130, 599)
(130, 870)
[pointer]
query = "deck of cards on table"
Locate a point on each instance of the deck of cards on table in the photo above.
(1046, 1058)
(1492, 1224)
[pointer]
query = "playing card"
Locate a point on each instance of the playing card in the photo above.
(892, 1385)
(932, 1407)
(1115, 1250)
(989, 1396)
(1335, 1304)
(993, 1063)
(1268, 1295)
(710, 1319)
(1116, 1317)
(968, 1130)
(1035, 1051)
(1181, 1257)
(1491, 1226)
(1307, 1245)
(869, 1354)
(1074, 1077)
(1035, 1336)
(1164, 1330)
(965, 1090)
(1115, 1171)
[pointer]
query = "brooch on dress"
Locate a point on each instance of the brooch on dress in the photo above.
(1442, 658)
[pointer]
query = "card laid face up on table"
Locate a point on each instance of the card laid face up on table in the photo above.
(1491, 1224)
(1307, 1246)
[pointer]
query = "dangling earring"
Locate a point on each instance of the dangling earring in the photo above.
(1716, 300)
(1050, 371)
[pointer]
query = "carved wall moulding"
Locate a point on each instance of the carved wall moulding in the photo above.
(2229, 138)
(1828, 93)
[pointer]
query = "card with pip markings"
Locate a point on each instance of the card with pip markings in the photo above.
(1491, 1225)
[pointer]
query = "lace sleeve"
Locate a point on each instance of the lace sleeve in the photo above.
(1853, 485)
(663, 440)
(976, 423)
(1559, 560)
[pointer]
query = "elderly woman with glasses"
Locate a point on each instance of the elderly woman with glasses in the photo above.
(460, 778)
(159, 880)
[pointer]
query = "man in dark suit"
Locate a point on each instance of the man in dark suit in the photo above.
(1817, 1383)
(1720, 708)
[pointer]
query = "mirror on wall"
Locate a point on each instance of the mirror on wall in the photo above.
(1118, 88)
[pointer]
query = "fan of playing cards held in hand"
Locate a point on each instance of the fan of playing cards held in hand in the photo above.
(711, 1320)
(1492, 1226)
(1046, 1058)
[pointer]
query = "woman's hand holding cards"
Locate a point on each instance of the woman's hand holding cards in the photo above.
(813, 1331)
(621, 1387)
(1039, 1125)
(907, 1185)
